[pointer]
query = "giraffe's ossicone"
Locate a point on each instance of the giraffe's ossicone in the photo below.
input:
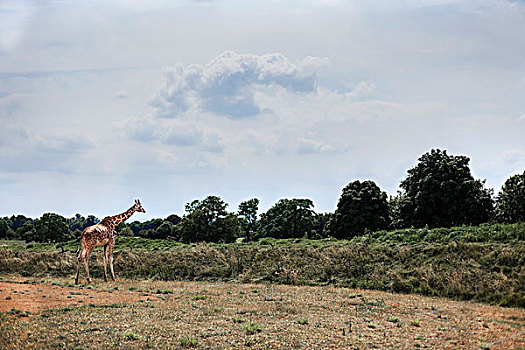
(103, 235)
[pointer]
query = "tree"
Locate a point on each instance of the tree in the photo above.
(164, 231)
(51, 228)
(362, 206)
(78, 222)
(5, 230)
(208, 221)
(26, 232)
(15, 222)
(146, 227)
(174, 219)
(91, 220)
(126, 232)
(394, 205)
(288, 218)
(248, 213)
(440, 191)
(510, 204)
(321, 225)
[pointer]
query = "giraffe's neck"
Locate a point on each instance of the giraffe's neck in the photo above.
(120, 218)
(115, 220)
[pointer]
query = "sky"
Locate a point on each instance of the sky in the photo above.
(103, 102)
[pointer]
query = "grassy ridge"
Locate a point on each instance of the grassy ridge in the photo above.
(492, 273)
(485, 263)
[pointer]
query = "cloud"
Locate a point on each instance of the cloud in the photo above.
(172, 132)
(9, 104)
(308, 146)
(21, 150)
(12, 135)
(122, 94)
(243, 106)
(63, 145)
(513, 156)
(228, 84)
(14, 18)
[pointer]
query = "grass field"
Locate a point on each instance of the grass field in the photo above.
(273, 294)
(487, 272)
(142, 314)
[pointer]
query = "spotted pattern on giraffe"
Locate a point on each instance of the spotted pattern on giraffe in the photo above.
(103, 235)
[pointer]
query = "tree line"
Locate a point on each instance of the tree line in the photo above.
(439, 191)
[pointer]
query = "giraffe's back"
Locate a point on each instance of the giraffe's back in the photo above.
(96, 235)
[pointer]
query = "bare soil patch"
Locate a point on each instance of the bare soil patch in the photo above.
(140, 314)
(35, 296)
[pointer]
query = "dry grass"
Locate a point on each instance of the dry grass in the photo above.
(141, 314)
(491, 273)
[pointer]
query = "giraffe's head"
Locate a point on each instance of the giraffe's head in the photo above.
(138, 206)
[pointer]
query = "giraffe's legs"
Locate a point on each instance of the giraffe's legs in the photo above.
(110, 244)
(84, 255)
(78, 267)
(105, 262)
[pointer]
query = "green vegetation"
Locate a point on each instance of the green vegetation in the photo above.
(481, 258)
(188, 342)
(208, 221)
(248, 215)
(303, 321)
(482, 263)
(251, 327)
(362, 206)
(440, 191)
(510, 204)
(394, 319)
(129, 335)
(288, 218)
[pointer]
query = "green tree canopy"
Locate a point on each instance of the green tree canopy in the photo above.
(362, 206)
(51, 228)
(440, 191)
(173, 219)
(207, 220)
(510, 204)
(5, 230)
(248, 214)
(142, 229)
(17, 221)
(288, 218)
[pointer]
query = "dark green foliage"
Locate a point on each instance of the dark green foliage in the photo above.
(510, 204)
(248, 214)
(167, 229)
(174, 219)
(78, 222)
(11, 227)
(17, 221)
(394, 211)
(490, 270)
(5, 230)
(362, 206)
(485, 233)
(288, 218)
(26, 232)
(320, 225)
(441, 192)
(143, 229)
(50, 228)
(208, 221)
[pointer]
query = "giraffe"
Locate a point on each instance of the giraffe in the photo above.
(103, 234)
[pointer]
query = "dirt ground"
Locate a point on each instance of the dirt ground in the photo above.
(131, 314)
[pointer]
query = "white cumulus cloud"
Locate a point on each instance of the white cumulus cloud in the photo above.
(228, 84)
